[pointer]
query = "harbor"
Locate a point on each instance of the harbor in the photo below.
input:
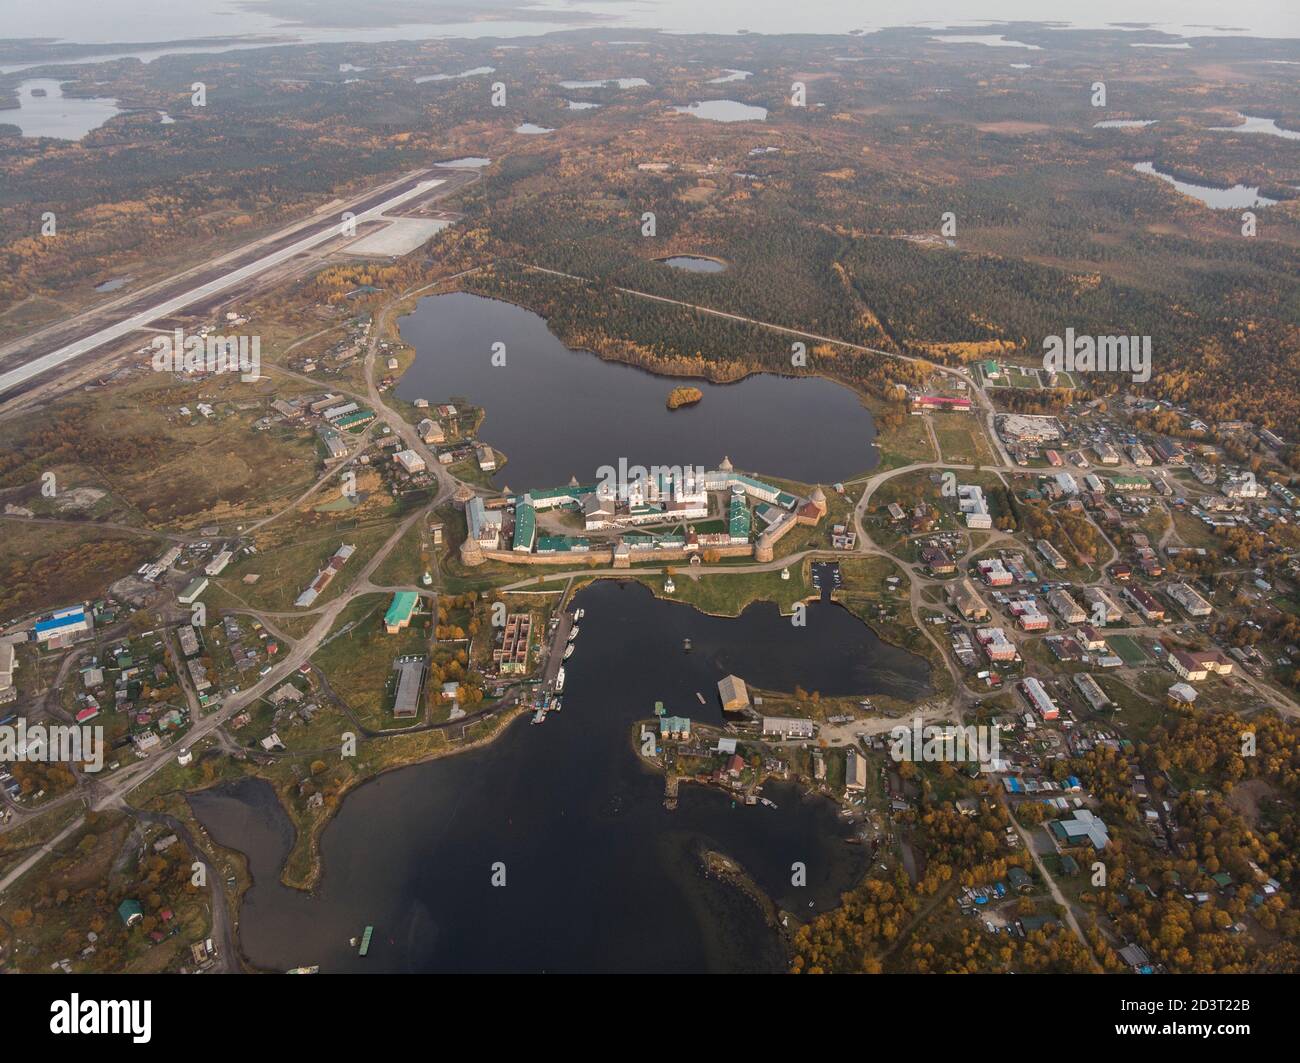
(562, 644)
(600, 849)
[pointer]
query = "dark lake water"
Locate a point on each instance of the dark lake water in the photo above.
(558, 413)
(599, 875)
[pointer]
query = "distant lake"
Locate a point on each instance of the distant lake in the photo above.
(1235, 198)
(618, 83)
(469, 162)
(580, 105)
(113, 285)
(694, 263)
(730, 75)
(1266, 126)
(989, 39)
(599, 875)
(478, 71)
(1124, 123)
(144, 21)
(724, 111)
(44, 111)
(528, 128)
(558, 413)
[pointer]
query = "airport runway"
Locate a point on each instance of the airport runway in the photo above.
(59, 344)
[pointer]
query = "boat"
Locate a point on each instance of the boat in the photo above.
(579, 615)
(559, 680)
(574, 633)
(539, 716)
(314, 969)
(569, 651)
(365, 940)
(686, 645)
(559, 703)
(701, 697)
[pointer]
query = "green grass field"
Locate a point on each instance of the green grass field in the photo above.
(1127, 650)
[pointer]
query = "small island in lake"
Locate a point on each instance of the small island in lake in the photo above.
(684, 397)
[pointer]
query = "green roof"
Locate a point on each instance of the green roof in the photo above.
(741, 478)
(560, 544)
(738, 519)
(525, 526)
(353, 419)
(402, 607)
(552, 493)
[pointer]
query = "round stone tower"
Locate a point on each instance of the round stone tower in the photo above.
(471, 553)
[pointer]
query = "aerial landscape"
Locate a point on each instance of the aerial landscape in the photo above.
(491, 487)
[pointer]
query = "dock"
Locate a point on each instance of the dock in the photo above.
(555, 652)
(365, 941)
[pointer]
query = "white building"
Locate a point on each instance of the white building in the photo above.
(1037, 696)
(485, 525)
(996, 644)
(1051, 554)
(1029, 428)
(1067, 483)
(1193, 604)
(1102, 605)
(971, 501)
(218, 564)
(8, 665)
(788, 727)
(1091, 691)
(335, 412)
(1066, 607)
(1106, 454)
(1243, 486)
(410, 461)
